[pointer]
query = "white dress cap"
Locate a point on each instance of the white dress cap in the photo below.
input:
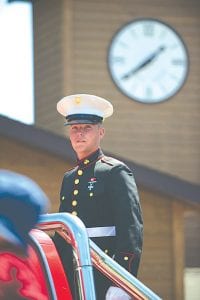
(84, 108)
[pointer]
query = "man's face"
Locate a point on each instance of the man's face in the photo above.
(85, 138)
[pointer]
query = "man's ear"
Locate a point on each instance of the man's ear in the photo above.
(102, 132)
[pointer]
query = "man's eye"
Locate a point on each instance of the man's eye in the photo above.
(88, 128)
(74, 129)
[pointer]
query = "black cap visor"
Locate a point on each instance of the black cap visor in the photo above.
(83, 119)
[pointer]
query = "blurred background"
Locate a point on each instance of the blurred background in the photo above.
(50, 49)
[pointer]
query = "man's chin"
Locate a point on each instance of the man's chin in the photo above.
(79, 147)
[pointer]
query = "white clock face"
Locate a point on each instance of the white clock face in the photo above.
(148, 61)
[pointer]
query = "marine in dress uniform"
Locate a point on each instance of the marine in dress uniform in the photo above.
(101, 191)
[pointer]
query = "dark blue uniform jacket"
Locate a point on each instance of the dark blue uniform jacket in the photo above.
(102, 192)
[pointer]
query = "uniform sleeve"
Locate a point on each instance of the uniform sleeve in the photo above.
(127, 217)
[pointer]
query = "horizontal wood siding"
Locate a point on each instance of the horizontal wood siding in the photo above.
(47, 170)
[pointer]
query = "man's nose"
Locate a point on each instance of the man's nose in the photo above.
(80, 131)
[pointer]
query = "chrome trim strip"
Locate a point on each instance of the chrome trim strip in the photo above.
(101, 231)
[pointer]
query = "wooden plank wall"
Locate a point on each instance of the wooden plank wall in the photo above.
(46, 169)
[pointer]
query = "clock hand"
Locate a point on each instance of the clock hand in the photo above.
(144, 63)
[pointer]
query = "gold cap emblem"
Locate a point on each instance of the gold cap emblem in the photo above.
(78, 100)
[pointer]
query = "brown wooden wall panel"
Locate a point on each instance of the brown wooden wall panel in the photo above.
(192, 240)
(47, 170)
(47, 61)
(157, 257)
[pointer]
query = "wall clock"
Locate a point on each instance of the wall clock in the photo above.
(148, 60)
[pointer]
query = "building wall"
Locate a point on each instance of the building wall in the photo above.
(46, 169)
(158, 244)
(48, 61)
(192, 240)
(71, 42)
(162, 261)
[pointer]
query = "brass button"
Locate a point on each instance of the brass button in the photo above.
(74, 213)
(125, 257)
(74, 203)
(91, 194)
(80, 172)
(75, 192)
(76, 181)
(63, 198)
(86, 161)
(106, 251)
